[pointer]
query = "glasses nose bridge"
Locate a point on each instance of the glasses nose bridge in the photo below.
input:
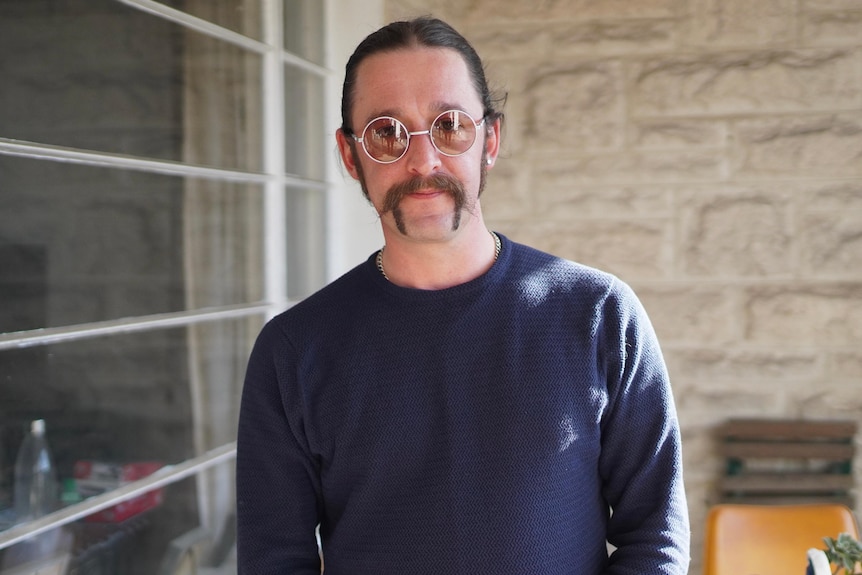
(419, 133)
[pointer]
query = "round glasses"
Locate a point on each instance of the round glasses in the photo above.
(386, 139)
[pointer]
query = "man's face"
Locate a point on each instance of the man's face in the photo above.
(425, 194)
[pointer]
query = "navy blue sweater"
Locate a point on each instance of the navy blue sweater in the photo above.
(509, 425)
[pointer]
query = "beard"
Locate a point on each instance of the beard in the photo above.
(440, 182)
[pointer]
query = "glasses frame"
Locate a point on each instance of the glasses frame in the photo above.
(361, 139)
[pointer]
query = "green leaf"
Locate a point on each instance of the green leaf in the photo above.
(845, 552)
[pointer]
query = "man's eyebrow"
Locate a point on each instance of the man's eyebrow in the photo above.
(437, 107)
(390, 112)
(442, 106)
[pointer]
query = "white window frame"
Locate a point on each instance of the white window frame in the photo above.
(352, 228)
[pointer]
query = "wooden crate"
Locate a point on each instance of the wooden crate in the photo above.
(783, 461)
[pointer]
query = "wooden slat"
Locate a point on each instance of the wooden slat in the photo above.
(784, 499)
(789, 450)
(787, 482)
(787, 429)
(761, 452)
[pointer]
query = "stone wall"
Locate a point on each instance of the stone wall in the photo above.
(709, 152)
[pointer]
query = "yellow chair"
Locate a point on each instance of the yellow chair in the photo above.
(770, 539)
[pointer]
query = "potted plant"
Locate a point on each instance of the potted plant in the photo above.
(845, 553)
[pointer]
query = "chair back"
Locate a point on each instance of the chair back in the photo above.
(770, 539)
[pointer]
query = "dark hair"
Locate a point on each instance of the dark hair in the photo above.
(424, 31)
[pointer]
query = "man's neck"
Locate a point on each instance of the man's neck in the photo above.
(434, 265)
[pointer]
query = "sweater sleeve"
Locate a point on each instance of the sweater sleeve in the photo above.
(276, 477)
(641, 462)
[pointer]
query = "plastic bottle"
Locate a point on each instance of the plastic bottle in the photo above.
(35, 477)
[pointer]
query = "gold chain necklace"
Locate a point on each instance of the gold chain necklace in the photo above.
(498, 245)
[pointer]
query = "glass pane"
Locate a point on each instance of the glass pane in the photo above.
(306, 241)
(241, 16)
(165, 531)
(161, 396)
(149, 87)
(303, 22)
(82, 244)
(140, 396)
(304, 134)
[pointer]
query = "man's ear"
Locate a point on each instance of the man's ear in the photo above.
(347, 150)
(492, 141)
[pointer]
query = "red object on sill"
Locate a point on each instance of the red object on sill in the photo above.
(96, 477)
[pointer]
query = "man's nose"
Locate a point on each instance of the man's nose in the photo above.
(422, 157)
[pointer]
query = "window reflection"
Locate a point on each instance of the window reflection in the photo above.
(149, 88)
(83, 244)
(165, 538)
(149, 398)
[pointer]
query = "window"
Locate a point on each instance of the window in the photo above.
(163, 172)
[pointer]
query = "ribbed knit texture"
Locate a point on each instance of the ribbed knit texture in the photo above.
(484, 429)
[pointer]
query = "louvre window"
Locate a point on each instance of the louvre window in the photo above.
(162, 193)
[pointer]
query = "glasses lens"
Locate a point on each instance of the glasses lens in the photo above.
(453, 132)
(385, 139)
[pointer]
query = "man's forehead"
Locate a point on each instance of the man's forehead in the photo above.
(436, 79)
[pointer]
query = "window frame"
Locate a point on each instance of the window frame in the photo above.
(277, 184)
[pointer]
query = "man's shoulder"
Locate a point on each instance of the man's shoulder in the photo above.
(540, 267)
(342, 293)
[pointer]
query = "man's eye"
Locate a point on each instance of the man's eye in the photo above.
(386, 133)
(448, 125)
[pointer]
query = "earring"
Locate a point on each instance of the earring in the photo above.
(488, 161)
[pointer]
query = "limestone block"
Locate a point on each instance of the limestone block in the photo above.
(505, 196)
(846, 365)
(740, 23)
(637, 166)
(739, 82)
(575, 105)
(701, 462)
(612, 37)
(805, 314)
(543, 41)
(735, 232)
(832, 28)
(556, 197)
(700, 459)
(829, 146)
(449, 10)
(835, 196)
(688, 313)
(740, 367)
(717, 402)
(825, 403)
(633, 249)
(831, 244)
(829, 4)
(683, 133)
(519, 10)
(508, 42)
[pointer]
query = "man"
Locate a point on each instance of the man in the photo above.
(459, 403)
